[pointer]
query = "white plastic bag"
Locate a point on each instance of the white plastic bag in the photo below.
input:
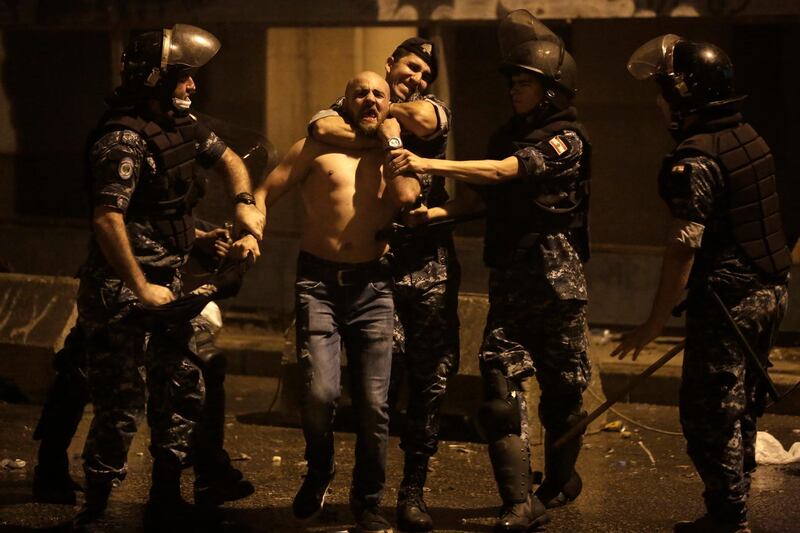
(769, 451)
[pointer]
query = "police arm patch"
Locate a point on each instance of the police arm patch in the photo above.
(558, 145)
(125, 168)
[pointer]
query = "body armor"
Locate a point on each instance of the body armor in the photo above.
(753, 211)
(516, 219)
(166, 197)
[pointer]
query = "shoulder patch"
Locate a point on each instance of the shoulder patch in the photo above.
(680, 168)
(558, 145)
(125, 168)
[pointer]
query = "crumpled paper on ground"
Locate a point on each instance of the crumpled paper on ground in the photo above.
(769, 451)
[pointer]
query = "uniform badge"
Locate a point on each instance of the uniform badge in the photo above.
(125, 168)
(678, 169)
(427, 48)
(558, 145)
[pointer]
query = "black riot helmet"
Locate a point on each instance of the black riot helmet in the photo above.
(153, 62)
(694, 77)
(527, 45)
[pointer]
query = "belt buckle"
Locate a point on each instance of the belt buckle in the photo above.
(340, 278)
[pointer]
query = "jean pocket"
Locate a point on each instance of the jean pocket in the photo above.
(381, 287)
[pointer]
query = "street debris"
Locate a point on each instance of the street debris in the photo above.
(601, 336)
(625, 434)
(461, 448)
(242, 457)
(769, 450)
(12, 464)
(276, 460)
(615, 426)
(650, 455)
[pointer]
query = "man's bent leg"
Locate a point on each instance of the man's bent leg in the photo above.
(319, 356)
(502, 418)
(216, 480)
(61, 414)
(368, 341)
(176, 394)
(117, 390)
(563, 370)
(429, 311)
(717, 399)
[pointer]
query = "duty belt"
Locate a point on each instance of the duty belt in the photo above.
(342, 274)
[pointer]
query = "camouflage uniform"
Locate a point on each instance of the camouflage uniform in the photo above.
(537, 289)
(720, 397)
(535, 244)
(120, 352)
(427, 275)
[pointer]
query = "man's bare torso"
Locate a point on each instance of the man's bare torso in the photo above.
(345, 205)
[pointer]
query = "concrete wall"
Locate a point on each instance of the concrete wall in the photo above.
(270, 81)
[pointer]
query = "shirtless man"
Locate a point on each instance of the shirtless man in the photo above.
(343, 295)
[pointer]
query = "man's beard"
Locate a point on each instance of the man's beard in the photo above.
(367, 130)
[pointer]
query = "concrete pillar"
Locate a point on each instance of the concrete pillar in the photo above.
(8, 147)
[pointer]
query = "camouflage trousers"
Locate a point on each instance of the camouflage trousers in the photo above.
(425, 350)
(721, 396)
(128, 367)
(531, 330)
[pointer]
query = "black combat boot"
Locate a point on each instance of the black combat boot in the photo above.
(369, 518)
(522, 517)
(561, 484)
(97, 493)
(412, 512)
(521, 511)
(54, 485)
(166, 510)
(217, 482)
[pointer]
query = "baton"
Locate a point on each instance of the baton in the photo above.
(748, 350)
(579, 428)
(386, 233)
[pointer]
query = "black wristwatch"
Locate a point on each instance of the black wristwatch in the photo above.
(245, 198)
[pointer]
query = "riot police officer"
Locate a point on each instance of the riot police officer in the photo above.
(216, 479)
(536, 191)
(726, 244)
(142, 189)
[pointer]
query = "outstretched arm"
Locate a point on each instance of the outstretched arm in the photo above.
(479, 172)
(675, 269)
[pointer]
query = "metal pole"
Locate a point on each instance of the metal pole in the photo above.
(579, 428)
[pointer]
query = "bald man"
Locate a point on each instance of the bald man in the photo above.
(343, 295)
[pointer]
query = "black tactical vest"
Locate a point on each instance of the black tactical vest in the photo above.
(166, 198)
(515, 219)
(753, 211)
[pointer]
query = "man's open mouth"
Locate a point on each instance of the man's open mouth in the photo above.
(369, 114)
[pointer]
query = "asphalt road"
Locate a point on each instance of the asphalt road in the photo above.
(624, 489)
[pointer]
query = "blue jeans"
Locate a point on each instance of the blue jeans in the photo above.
(346, 304)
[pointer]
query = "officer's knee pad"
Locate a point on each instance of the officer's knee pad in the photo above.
(499, 414)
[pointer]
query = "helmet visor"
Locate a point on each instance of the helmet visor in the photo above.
(521, 27)
(653, 58)
(189, 45)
